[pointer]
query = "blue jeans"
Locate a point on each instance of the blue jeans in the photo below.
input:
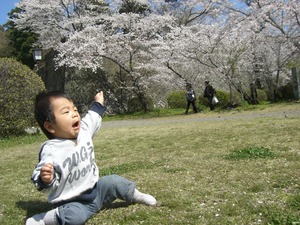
(109, 188)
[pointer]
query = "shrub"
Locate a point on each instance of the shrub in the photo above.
(18, 87)
(222, 96)
(134, 105)
(286, 92)
(177, 99)
(237, 98)
(261, 95)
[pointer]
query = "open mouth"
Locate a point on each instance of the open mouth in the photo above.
(76, 125)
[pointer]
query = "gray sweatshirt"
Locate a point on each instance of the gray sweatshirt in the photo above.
(76, 172)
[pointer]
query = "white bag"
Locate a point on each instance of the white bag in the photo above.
(215, 100)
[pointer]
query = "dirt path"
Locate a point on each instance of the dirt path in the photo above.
(293, 111)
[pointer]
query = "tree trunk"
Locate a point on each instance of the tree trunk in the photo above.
(144, 102)
(240, 90)
(54, 79)
(296, 82)
(276, 86)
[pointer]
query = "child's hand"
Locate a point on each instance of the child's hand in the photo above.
(99, 97)
(47, 173)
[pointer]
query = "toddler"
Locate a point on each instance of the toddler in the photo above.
(67, 170)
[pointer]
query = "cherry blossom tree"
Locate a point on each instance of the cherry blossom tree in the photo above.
(169, 42)
(85, 32)
(277, 23)
(208, 47)
(230, 57)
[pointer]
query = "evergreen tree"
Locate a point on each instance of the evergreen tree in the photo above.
(20, 41)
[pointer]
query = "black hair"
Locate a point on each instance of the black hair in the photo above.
(43, 110)
(188, 85)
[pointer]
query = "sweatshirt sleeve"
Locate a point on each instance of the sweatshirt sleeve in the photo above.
(44, 157)
(93, 119)
(98, 108)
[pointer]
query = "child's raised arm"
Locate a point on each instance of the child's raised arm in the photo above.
(99, 97)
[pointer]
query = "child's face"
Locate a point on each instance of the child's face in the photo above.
(67, 119)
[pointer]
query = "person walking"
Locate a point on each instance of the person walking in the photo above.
(209, 93)
(253, 93)
(190, 98)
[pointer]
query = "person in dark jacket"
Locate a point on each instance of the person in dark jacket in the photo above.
(209, 93)
(190, 98)
(253, 93)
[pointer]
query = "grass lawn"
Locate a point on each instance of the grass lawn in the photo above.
(206, 168)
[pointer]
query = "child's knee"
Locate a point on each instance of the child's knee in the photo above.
(73, 214)
(110, 179)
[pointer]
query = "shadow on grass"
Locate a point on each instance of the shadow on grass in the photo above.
(34, 207)
(116, 205)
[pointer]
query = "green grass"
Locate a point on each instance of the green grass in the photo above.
(145, 115)
(174, 112)
(251, 153)
(208, 168)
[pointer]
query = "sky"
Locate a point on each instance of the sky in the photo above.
(5, 7)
